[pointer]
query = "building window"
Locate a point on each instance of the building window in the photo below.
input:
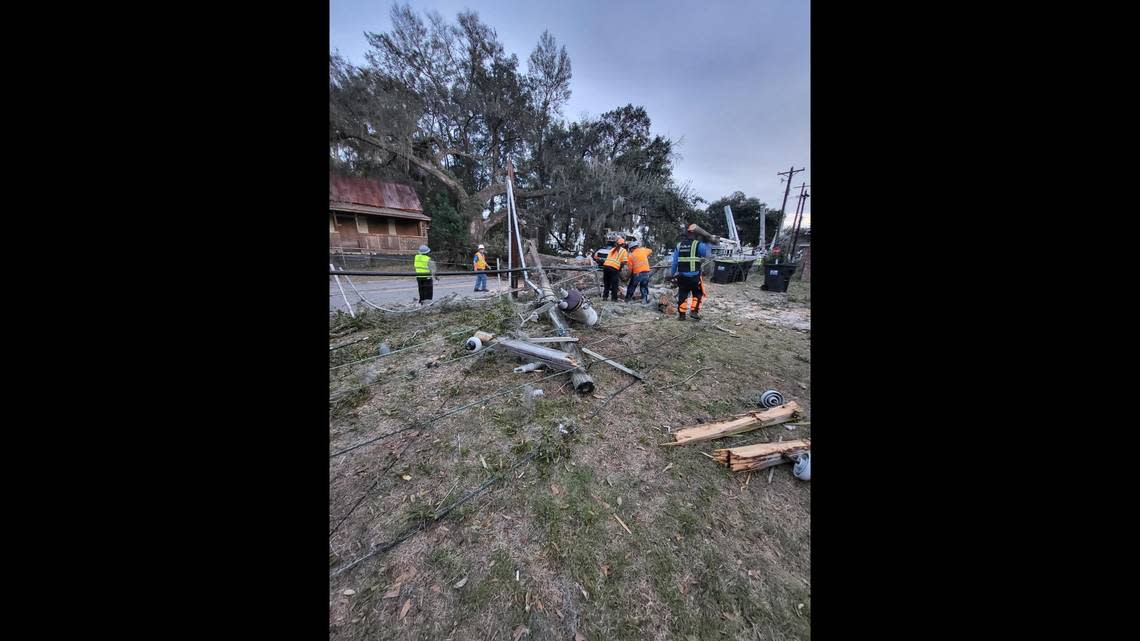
(391, 227)
(361, 224)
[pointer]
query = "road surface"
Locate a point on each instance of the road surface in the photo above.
(386, 291)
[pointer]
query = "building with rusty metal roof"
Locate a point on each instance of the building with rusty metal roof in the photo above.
(367, 216)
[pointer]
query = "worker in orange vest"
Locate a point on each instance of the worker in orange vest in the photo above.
(480, 266)
(611, 268)
(639, 272)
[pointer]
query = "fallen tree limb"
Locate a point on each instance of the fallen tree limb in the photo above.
(761, 455)
(740, 424)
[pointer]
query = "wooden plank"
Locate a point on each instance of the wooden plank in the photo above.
(761, 455)
(743, 423)
(613, 363)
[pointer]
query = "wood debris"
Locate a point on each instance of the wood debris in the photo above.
(761, 455)
(622, 523)
(737, 425)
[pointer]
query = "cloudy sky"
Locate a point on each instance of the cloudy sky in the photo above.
(729, 78)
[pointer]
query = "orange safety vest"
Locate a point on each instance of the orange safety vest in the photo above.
(639, 260)
(480, 263)
(617, 257)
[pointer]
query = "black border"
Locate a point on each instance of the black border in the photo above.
(912, 327)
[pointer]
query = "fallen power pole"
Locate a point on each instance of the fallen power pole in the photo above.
(582, 381)
(553, 358)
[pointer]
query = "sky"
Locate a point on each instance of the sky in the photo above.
(730, 79)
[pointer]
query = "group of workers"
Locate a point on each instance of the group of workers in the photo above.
(637, 258)
(685, 269)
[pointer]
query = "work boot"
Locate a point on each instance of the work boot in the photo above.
(696, 316)
(680, 315)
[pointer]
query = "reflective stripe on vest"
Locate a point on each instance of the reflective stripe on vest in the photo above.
(692, 259)
(422, 265)
(639, 260)
(616, 257)
(479, 262)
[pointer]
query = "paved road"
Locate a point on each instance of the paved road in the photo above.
(398, 291)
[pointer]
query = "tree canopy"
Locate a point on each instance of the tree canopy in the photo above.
(443, 106)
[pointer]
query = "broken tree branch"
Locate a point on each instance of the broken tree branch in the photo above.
(743, 423)
(761, 455)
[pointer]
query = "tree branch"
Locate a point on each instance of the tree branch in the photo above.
(453, 185)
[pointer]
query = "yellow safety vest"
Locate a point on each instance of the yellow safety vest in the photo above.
(422, 266)
(480, 263)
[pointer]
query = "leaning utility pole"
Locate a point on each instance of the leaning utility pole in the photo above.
(799, 219)
(792, 171)
(513, 234)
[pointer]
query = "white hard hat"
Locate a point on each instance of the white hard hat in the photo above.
(424, 249)
(481, 246)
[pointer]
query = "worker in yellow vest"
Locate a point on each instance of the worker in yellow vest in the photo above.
(480, 266)
(611, 268)
(639, 272)
(425, 272)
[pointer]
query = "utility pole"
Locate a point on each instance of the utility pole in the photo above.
(763, 215)
(511, 241)
(792, 171)
(799, 218)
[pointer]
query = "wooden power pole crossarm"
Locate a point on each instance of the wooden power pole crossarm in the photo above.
(792, 171)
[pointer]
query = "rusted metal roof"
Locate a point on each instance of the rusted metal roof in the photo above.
(376, 211)
(372, 193)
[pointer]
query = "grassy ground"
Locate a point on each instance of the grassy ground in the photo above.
(708, 554)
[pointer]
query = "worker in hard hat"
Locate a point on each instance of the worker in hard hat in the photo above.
(611, 268)
(639, 272)
(425, 272)
(480, 266)
(687, 270)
